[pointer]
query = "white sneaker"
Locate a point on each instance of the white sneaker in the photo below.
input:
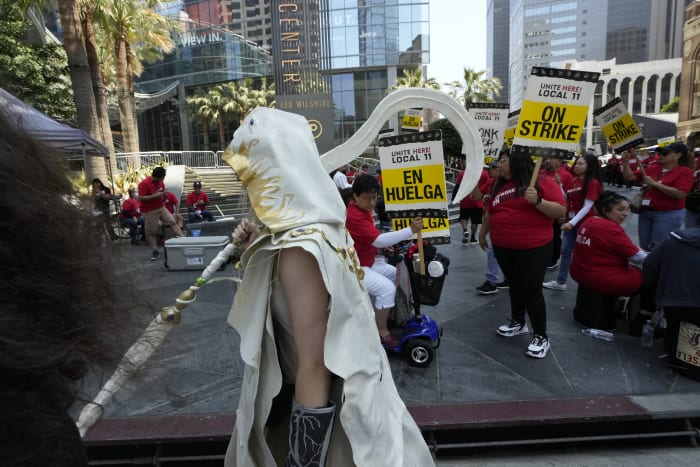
(538, 348)
(554, 285)
(513, 328)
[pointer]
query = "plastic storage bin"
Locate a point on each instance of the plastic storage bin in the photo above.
(193, 252)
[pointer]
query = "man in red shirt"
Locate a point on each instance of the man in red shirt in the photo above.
(197, 201)
(152, 196)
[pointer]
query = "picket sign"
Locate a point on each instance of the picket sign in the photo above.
(553, 113)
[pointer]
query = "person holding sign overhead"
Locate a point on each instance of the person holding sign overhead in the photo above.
(665, 187)
(380, 277)
(519, 220)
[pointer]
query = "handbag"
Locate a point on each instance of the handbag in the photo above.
(636, 203)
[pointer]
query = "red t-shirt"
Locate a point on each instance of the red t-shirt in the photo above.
(130, 208)
(517, 224)
(600, 259)
(194, 198)
(360, 224)
(681, 178)
(171, 202)
(148, 187)
(574, 201)
(468, 202)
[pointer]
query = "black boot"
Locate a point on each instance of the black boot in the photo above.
(309, 435)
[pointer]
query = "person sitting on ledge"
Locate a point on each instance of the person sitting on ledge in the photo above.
(197, 201)
(603, 250)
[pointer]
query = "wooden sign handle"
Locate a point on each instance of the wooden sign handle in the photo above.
(420, 252)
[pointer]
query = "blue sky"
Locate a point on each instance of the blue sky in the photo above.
(457, 38)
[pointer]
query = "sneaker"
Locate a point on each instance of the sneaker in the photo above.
(155, 255)
(390, 341)
(503, 285)
(553, 265)
(554, 285)
(513, 328)
(539, 346)
(487, 288)
(473, 240)
(465, 237)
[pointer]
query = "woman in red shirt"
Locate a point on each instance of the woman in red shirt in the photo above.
(665, 187)
(519, 220)
(581, 192)
(603, 250)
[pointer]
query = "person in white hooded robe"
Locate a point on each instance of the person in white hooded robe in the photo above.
(305, 318)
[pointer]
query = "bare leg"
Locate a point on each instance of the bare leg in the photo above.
(308, 304)
(381, 317)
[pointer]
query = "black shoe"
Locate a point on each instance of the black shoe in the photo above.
(503, 285)
(155, 255)
(473, 240)
(487, 288)
(465, 237)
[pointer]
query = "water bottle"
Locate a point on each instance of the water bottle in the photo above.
(648, 334)
(598, 334)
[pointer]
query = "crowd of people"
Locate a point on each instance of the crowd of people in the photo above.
(525, 223)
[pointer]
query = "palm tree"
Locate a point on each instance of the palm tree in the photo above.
(81, 80)
(135, 32)
(475, 88)
(413, 79)
(245, 97)
(199, 108)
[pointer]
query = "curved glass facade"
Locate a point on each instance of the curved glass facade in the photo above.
(206, 56)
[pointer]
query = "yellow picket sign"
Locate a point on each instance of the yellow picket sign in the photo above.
(410, 122)
(546, 122)
(420, 184)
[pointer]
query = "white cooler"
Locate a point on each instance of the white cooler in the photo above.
(193, 252)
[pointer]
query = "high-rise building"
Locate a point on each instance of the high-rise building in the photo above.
(498, 43)
(550, 33)
(554, 32)
(371, 43)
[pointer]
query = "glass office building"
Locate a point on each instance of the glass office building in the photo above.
(207, 51)
(371, 43)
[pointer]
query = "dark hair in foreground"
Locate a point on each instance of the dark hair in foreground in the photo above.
(60, 314)
(607, 201)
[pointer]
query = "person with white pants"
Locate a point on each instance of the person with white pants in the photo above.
(380, 277)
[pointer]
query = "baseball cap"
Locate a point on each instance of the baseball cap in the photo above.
(197, 184)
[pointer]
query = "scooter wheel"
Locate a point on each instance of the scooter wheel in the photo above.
(419, 352)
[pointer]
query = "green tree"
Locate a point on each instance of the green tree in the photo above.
(35, 73)
(475, 87)
(81, 81)
(135, 33)
(199, 108)
(451, 141)
(671, 106)
(413, 79)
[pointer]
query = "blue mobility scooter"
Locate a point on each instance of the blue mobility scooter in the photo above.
(420, 334)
